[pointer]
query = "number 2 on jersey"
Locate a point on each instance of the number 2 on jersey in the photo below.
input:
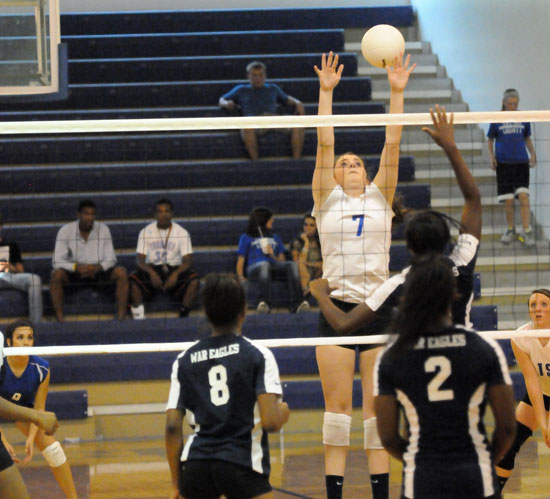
(219, 391)
(441, 365)
(361, 218)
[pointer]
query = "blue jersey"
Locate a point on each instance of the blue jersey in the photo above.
(22, 390)
(250, 249)
(216, 382)
(442, 384)
(257, 101)
(510, 141)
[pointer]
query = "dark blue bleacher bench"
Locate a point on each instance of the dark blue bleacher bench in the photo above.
(229, 20)
(178, 174)
(199, 202)
(197, 68)
(189, 44)
(173, 112)
(68, 404)
(184, 93)
(171, 146)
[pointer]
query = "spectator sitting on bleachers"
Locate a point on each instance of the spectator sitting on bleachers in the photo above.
(13, 275)
(165, 262)
(258, 99)
(84, 255)
(306, 252)
(262, 253)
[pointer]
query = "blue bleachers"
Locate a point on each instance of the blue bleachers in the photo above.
(183, 93)
(229, 20)
(183, 43)
(173, 112)
(181, 174)
(197, 68)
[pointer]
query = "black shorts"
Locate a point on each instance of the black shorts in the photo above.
(205, 479)
(143, 280)
(101, 279)
(376, 326)
(5, 459)
(545, 398)
(512, 179)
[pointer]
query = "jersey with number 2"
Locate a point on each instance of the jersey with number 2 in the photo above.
(442, 386)
(217, 382)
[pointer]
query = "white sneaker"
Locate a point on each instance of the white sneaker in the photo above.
(138, 313)
(303, 307)
(262, 308)
(508, 236)
(527, 239)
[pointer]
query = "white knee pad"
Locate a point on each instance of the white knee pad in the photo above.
(54, 455)
(371, 439)
(336, 429)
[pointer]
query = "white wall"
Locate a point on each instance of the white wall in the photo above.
(141, 5)
(488, 46)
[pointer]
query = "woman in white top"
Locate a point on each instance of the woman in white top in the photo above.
(354, 222)
(533, 357)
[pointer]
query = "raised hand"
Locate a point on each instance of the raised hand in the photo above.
(330, 73)
(443, 131)
(398, 73)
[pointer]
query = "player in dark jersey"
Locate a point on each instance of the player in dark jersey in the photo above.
(25, 381)
(228, 388)
(426, 231)
(442, 375)
(11, 483)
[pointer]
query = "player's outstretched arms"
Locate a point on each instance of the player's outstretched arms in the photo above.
(501, 400)
(443, 135)
(342, 322)
(323, 177)
(273, 413)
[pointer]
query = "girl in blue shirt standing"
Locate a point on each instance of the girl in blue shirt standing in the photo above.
(511, 162)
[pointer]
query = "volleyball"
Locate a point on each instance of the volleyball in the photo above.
(382, 44)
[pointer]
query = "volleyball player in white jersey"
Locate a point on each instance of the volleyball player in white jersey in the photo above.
(354, 222)
(533, 356)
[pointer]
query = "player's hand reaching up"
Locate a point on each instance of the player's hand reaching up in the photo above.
(330, 73)
(443, 132)
(398, 74)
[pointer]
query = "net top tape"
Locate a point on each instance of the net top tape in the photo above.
(285, 342)
(255, 122)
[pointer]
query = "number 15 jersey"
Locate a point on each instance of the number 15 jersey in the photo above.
(441, 384)
(216, 381)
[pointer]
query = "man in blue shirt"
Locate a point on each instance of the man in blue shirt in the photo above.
(259, 98)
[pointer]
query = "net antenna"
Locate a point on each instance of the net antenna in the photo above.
(30, 49)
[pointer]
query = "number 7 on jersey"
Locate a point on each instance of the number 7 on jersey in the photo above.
(361, 218)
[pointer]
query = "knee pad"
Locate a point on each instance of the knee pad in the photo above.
(371, 439)
(54, 455)
(336, 429)
(522, 434)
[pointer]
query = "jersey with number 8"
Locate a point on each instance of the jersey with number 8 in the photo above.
(217, 381)
(442, 386)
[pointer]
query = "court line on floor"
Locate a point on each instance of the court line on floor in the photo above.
(293, 494)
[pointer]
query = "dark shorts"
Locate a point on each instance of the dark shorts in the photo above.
(376, 326)
(512, 179)
(143, 280)
(102, 278)
(546, 399)
(5, 459)
(205, 479)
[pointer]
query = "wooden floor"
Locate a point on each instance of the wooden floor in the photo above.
(137, 469)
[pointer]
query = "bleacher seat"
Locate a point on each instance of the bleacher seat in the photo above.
(204, 44)
(228, 20)
(198, 68)
(68, 404)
